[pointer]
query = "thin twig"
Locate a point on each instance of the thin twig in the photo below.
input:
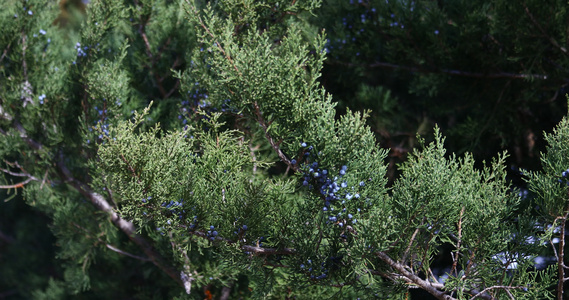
(113, 248)
(17, 185)
(450, 72)
(536, 23)
(425, 285)
(411, 240)
(218, 44)
(455, 255)
(274, 145)
(503, 287)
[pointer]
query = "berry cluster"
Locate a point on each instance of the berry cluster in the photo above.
(41, 98)
(330, 264)
(333, 189)
(175, 207)
(212, 233)
(565, 177)
(81, 51)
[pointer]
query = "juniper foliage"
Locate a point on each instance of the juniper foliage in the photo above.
(188, 149)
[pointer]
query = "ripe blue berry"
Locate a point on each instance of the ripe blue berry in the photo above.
(212, 227)
(244, 227)
(362, 183)
(303, 144)
(293, 161)
(342, 172)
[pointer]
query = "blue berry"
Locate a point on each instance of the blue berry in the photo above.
(350, 216)
(564, 174)
(244, 227)
(214, 233)
(212, 227)
(305, 183)
(362, 183)
(303, 144)
(293, 161)
(342, 172)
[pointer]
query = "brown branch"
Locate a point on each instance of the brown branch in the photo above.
(4, 53)
(404, 257)
(101, 203)
(561, 255)
(248, 248)
(17, 185)
(130, 168)
(425, 285)
(111, 247)
(448, 71)
(195, 12)
(536, 23)
(125, 226)
(274, 145)
(455, 255)
(503, 287)
(27, 89)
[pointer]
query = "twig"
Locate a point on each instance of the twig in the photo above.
(404, 257)
(27, 89)
(455, 255)
(117, 250)
(215, 40)
(125, 226)
(480, 294)
(17, 185)
(536, 23)
(4, 53)
(113, 248)
(276, 147)
(450, 72)
(561, 255)
(425, 285)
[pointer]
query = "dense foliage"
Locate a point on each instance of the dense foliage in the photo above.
(191, 149)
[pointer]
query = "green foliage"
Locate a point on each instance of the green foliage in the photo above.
(240, 178)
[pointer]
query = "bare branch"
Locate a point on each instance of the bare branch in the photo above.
(411, 240)
(17, 185)
(450, 72)
(425, 285)
(536, 23)
(502, 287)
(275, 146)
(125, 226)
(455, 255)
(117, 250)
